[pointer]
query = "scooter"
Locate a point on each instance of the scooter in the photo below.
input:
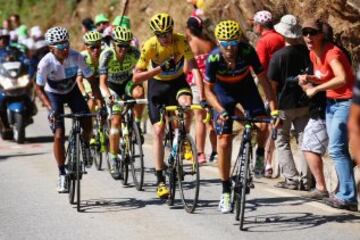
(17, 105)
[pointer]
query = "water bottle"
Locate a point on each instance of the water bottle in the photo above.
(174, 147)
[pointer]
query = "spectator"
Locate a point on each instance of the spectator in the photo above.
(268, 43)
(18, 30)
(6, 24)
(354, 119)
(198, 7)
(101, 22)
(87, 24)
(333, 73)
(287, 63)
(200, 46)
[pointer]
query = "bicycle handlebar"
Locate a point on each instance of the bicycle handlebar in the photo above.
(122, 103)
(174, 108)
(77, 115)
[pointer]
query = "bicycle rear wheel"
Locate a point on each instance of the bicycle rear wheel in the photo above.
(137, 158)
(244, 174)
(188, 173)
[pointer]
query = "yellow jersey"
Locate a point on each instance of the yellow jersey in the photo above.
(153, 54)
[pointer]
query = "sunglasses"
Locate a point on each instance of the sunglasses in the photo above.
(231, 43)
(93, 47)
(163, 35)
(311, 32)
(62, 46)
(123, 45)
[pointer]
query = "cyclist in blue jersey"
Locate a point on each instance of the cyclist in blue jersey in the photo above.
(56, 85)
(229, 82)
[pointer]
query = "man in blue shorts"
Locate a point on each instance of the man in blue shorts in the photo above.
(56, 85)
(229, 82)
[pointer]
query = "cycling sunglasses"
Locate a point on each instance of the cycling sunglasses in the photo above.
(163, 35)
(309, 31)
(93, 47)
(231, 43)
(62, 46)
(123, 45)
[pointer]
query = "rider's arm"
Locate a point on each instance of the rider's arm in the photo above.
(141, 75)
(264, 82)
(211, 98)
(80, 83)
(103, 85)
(43, 97)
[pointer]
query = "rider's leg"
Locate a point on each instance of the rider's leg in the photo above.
(224, 149)
(138, 93)
(59, 149)
(185, 100)
(200, 130)
(114, 134)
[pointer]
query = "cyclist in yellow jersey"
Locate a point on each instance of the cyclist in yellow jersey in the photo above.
(92, 42)
(162, 62)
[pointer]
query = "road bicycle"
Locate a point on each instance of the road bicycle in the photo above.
(130, 145)
(241, 174)
(101, 136)
(75, 156)
(183, 166)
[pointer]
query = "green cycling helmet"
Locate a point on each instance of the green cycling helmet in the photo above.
(92, 37)
(122, 34)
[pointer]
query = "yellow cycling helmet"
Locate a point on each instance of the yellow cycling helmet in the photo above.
(161, 23)
(122, 34)
(227, 30)
(92, 37)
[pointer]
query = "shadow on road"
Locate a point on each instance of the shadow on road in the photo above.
(6, 157)
(286, 221)
(103, 205)
(40, 139)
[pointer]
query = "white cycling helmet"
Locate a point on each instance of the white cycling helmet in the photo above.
(56, 34)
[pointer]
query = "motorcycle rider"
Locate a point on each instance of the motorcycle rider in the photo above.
(7, 54)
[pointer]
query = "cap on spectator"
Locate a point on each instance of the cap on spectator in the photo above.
(312, 23)
(35, 32)
(100, 18)
(88, 23)
(288, 27)
(262, 17)
(123, 21)
(194, 22)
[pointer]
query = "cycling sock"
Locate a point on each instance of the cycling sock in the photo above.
(160, 177)
(226, 186)
(62, 170)
(260, 151)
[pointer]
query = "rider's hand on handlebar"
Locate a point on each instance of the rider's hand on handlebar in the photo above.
(223, 116)
(275, 115)
(109, 100)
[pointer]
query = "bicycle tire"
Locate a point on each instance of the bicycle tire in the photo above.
(172, 185)
(78, 172)
(136, 158)
(71, 158)
(244, 182)
(96, 153)
(235, 187)
(123, 164)
(188, 175)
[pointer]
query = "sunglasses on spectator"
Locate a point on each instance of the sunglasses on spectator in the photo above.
(163, 35)
(62, 46)
(231, 43)
(123, 45)
(93, 47)
(311, 32)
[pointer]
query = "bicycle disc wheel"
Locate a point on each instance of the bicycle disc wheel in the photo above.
(244, 173)
(188, 173)
(137, 158)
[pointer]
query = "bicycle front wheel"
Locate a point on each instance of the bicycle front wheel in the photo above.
(188, 173)
(71, 159)
(244, 176)
(78, 167)
(137, 158)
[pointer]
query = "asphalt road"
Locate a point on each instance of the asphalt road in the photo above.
(30, 207)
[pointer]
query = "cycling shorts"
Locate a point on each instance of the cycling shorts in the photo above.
(163, 93)
(74, 100)
(247, 95)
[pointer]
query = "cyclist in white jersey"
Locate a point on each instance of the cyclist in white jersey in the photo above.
(56, 85)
